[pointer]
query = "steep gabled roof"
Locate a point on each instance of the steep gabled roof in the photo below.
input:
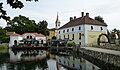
(82, 20)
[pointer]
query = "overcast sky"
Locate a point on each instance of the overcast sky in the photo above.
(47, 10)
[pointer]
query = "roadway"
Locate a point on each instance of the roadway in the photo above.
(103, 50)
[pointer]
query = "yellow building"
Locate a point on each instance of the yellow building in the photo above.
(83, 30)
(52, 33)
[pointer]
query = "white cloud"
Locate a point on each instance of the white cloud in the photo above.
(47, 9)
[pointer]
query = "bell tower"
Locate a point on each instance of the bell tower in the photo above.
(57, 22)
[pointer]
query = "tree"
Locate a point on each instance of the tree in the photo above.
(116, 31)
(42, 27)
(112, 35)
(3, 36)
(21, 24)
(14, 4)
(99, 18)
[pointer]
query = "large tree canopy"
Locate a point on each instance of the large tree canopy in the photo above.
(14, 4)
(42, 27)
(22, 24)
(99, 18)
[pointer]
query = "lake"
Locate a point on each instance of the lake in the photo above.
(42, 60)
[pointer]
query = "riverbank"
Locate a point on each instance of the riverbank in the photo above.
(4, 46)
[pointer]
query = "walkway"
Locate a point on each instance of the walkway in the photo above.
(103, 50)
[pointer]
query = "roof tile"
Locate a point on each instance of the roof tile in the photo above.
(82, 20)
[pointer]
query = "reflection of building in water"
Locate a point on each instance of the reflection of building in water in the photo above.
(75, 63)
(27, 60)
(27, 55)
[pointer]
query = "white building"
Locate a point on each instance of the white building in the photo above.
(16, 38)
(83, 30)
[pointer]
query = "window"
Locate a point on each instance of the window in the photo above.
(68, 64)
(30, 37)
(79, 43)
(63, 31)
(15, 42)
(79, 36)
(27, 37)
(59, 32)
(59, 60)
(64, 36)
(72, 29)
(73, 65)
(64, 62)
(67, 30)
(73, 37)
(80, 67)
(101, 28)
(68, 36)
(79, 28)
(91, 27)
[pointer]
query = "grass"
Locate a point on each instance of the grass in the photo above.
(3, 47)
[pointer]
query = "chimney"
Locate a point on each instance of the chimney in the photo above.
(74, 17)
(71, 18)
(82, 13)
(87, 14)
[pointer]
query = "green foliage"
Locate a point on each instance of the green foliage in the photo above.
(14, 4)
(70, 43)
(112, 35)
(2, 32)
(99, 18)
(42, 27)
(2, 47)
(3, 37)
(22, 24)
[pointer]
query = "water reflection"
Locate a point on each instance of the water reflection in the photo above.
(42, 60)
(73, 63)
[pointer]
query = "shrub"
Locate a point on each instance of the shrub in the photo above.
(70, 43)
(2, 47)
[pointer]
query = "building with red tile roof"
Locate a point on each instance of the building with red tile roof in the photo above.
(16, 38)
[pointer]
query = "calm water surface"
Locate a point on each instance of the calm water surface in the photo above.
(42, 60)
